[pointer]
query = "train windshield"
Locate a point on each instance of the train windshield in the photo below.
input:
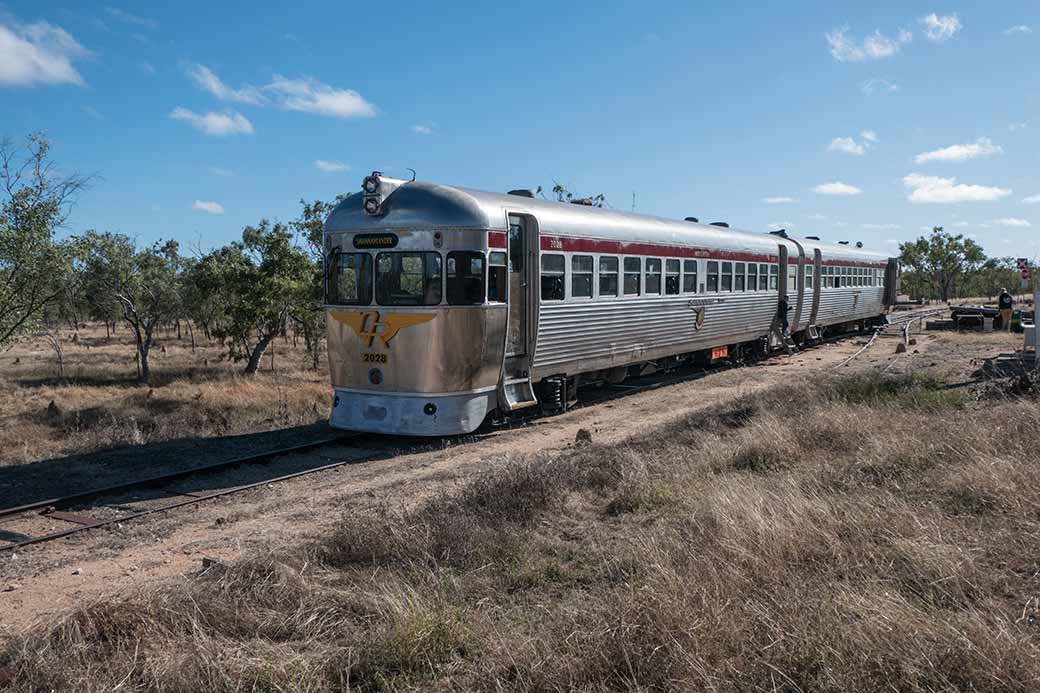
(408, 279)
(349, 280)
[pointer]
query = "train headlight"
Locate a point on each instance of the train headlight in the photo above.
(371, 184)
(372, 205)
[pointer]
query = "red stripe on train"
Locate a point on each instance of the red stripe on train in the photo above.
(596, 245)
(496, 239)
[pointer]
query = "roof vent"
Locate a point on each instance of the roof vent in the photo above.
(779, 232)
(695, 220)
(522, 193)
(859, 244)
(812, 238)
(583, 201)
(843, 242)
(723, 224)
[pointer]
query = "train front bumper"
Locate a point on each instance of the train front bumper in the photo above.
(411, 414)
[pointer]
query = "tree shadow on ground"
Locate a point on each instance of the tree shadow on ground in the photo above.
(52, 478)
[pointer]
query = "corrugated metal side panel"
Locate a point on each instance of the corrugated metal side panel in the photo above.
(840, 305)
(587, 330)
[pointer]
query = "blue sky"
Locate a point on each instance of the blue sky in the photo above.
(857, 121)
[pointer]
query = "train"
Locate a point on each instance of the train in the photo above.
(447, 307)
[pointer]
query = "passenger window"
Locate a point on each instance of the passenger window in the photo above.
(408, 279)
(671, 276)
(632, 271)
(752, 277)
(808, 276)
(713, 275)
(689, 280)
(581, 276)
(738, 276)
(497, 277)
(350, 280)
(653, 276)
(763, 277)
(553, 267)
(727, 276)
(774, 276)
(608, 276)
(465, 278)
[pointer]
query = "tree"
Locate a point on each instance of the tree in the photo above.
(263, 278)
(36, 200)
(995, 274)
(142, 282)
(308, 314)
(939, 262)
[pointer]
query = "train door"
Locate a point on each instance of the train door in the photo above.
(796, 286)
(817, 281)
(515, 389)
(516, 334)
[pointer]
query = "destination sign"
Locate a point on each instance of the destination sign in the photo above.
(365, 241)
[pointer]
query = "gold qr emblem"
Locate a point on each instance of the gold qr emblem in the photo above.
(370, 324)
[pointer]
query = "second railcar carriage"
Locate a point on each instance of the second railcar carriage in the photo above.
(447, 304)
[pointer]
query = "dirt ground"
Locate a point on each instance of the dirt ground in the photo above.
(40, 581)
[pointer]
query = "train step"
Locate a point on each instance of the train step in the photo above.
(518, 393)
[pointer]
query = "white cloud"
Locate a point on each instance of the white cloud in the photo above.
(206, 79)
(876, 84)
(1018, 126)
(422, 129)
(127, 18)
(961, 224)
(331, 166)
(38, 53)
(981, 148)
(891, 241)
(93, 113)
(869, 136)
(936, 190)
(881, 226)
(311, 96)
(147, 68)
(818, 217)
(1032, 200)
(836, 188)
(213, 123)
(1011, 221)
(222, 172)
(873, 47)
(777, 225)
(778, 200)
(1020, 29)
(208, 206)
(940, 29)
(846, 145)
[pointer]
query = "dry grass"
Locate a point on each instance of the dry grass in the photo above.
(99, 405)
(861, 534)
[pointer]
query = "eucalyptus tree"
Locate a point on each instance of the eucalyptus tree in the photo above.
(35, 200)
(263, 279)
(142, 282)
(941, 261)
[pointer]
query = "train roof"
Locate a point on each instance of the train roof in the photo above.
(417, 204)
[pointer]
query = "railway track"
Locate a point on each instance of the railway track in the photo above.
(68, 510)
(65, 509)
(903, 322)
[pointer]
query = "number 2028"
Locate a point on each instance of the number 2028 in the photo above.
(373, 358)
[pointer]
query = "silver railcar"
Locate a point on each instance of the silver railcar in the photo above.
(446, 305)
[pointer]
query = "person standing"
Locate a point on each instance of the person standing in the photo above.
(1005, 303)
